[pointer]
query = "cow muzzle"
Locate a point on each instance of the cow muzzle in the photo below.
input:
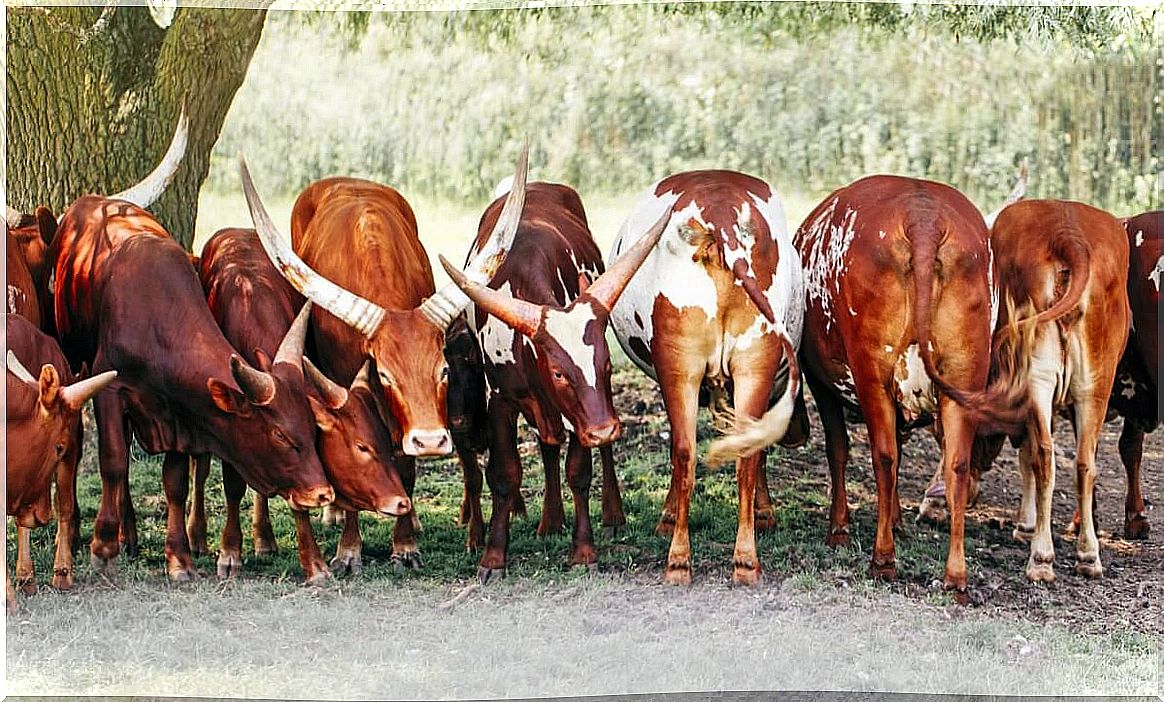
(395, 506)
(311, 498)
(602, 434)
(428, 443)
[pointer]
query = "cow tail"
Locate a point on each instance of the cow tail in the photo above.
(752, 435)
(1069, 246)
(1004, 405)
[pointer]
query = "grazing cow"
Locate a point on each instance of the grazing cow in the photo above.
(716, 308)
(43, 442)
(256, 308)
(356, 254)
(898, 317)
(555, 371)
(1070, 262)
(126, 298)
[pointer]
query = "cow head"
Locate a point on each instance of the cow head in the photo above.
(32, 235)
(466, 397)
(269, 399)
(355, 447)
(44, 430)
(573, 359)
(406, 346)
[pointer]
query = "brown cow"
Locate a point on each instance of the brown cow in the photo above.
(126, 298)
(255, 308)
(717, 307)
(43, 442)
(27, 247)
(555, 370)
(898, 323)
(356, 255)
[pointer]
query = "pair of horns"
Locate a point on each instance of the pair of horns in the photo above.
(363, 315)
(1017, 192)
(73, 396)
(259, 386)
(332, 393)
(526, 317)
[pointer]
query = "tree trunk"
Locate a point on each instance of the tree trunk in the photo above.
(92, 105)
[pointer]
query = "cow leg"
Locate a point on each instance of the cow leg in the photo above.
(230, 547)
(681, 400)
(176, 479)
(113, 459)
(9, 591)
(832, 418)
(310, 557)
(1089, 415)
(1037, 459)
(405, 553)
(752, 377)
(613, 516)
(503, 473)
(579, 475)
(1131, 453)
(261, 532)
(553, 514)
(881, 420)
(67, 523)
(765, 513)
(471, 516)
(128, 533)
(349, 553)
(196, 528)
(25, 570)
(957, 440)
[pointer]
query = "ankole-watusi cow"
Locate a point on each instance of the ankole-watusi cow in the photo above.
(717, 304)
(541, 321)
(42, 440)
(126, 298)
(899, 303)
(256, 309)
(356, 254)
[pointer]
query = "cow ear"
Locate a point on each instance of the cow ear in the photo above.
(49, 386)
(263, 361)
(583, 282)
(226, 398)
(324, 419)
(47, 224)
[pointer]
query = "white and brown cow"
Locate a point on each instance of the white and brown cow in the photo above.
(719, 303)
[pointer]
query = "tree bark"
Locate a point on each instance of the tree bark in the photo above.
(94, 114)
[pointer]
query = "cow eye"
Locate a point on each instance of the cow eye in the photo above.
(363, 448)
(60, 449)
(558, 376)
(445, 373)
(385, 379)
(280, 436)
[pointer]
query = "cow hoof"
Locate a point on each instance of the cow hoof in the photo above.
(961, 595)
(764, 519)
(229, 565)
(320, 577)
(1136, 527)
(105, 567)
(183, 574)
(1040, 573)
(886, 570)
(1023, 533)
(746, 572)
(406, 560)
(263, 547)
(63, 579)
(838, 538)
(485, 575)
(933, 511)
(350, 563)
(26, 585)
(1088, 565)
(677, 574)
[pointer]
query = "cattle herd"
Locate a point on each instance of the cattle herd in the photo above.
(321, 366)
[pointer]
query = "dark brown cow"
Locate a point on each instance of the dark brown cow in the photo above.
(256, 308)
(716, 307)
(898, 321)
(555, 370)
(357, 255)
(42, 442)
(1070, 262)
(126, 298)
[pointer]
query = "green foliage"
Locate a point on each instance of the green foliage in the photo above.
(613, 98)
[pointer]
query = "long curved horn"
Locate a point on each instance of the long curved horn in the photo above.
(332, 393)
(291, 348)
(610, 284)
(259, 387)
(523, 316)
(1016, 193)
(75, 395)
(355, 311)
(448, 302)
(15, 367)
(153, 185)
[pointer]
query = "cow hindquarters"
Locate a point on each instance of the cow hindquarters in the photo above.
(1132, 453)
